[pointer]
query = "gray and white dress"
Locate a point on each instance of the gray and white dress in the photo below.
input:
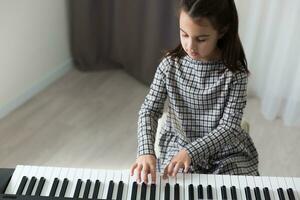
(206, 103)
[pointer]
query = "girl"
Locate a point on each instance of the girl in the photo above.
(205, 80)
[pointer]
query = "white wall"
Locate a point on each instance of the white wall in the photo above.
(34, 48)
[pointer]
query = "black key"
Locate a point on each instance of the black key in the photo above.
(40, 187)
(134, 191)
(143, 191)
(248, 193)
(110, 190)
(191, 192)
(64, 187)
(87, 189)
(31, 185)
(257, 193)
(176, 192)
(291, 194)
(22, 185)
(167, 192)
(233, 193)
(77, 188)
(280, 194)
(54, 187)
(223, 192)
(200, 192)
(120, 190)
(266, 193)
(152, 191)
(209, 192)
(96, 189)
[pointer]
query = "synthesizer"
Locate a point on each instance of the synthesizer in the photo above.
(43, 182)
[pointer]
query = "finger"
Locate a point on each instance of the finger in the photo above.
(153, 174)
(139, 170)
(132, 168)
(165, 172)
(176, 169)
(171, 168)
(145, 173)
(186, 167)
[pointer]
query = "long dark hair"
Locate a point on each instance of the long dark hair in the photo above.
(223, 16)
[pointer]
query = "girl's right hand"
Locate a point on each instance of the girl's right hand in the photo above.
(145, 164)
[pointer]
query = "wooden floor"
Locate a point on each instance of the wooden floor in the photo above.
(90, 120)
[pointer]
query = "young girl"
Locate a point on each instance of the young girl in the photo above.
(205, 81)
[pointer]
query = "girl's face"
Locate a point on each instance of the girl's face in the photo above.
(198, 38)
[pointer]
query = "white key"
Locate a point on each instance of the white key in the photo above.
(196, 182)
(266, 182)
(47, 185)
(158, 181)
(31, 173)
(85, 176)
(282, 184)
(148, 191)
(297, 186)
(211, 181)
(243, 184)
(259, 183)
(172, 181)
(290, 184)
(132, 179)
(139, 189)
(187, 182)
(63, 173)
(274, 184)
(71, 185)
(93, 178)
(55, 174)
(125, 179)
(102, 179)
(203, 182)
(180, 181)
(117, 179)
(109, 177)
(26, 172)
(163, 183)
(78, 175)
(219, 184)
(40, 173)
(227, 183)
(15, 180)
(251, 184)
(235, 182)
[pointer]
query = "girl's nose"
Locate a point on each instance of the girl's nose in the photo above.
(192, 45)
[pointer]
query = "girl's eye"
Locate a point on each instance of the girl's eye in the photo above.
(198, 40)
(184, 35)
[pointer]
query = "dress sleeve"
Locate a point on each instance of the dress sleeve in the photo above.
(202, 148)
(151, 110)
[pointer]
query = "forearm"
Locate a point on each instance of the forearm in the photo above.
(203, 148)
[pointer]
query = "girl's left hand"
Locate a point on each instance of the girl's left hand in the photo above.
(180, 160)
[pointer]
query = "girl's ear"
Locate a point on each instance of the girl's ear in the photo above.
(223, 32)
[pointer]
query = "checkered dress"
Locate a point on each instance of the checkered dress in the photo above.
(205, 108)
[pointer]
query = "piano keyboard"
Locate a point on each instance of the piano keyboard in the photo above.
(118, 184)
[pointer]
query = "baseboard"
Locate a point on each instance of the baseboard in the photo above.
(40, 85)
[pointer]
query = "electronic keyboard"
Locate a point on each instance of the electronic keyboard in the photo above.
(43, 183)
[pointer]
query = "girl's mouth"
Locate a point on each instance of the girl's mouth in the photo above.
(194, 54)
